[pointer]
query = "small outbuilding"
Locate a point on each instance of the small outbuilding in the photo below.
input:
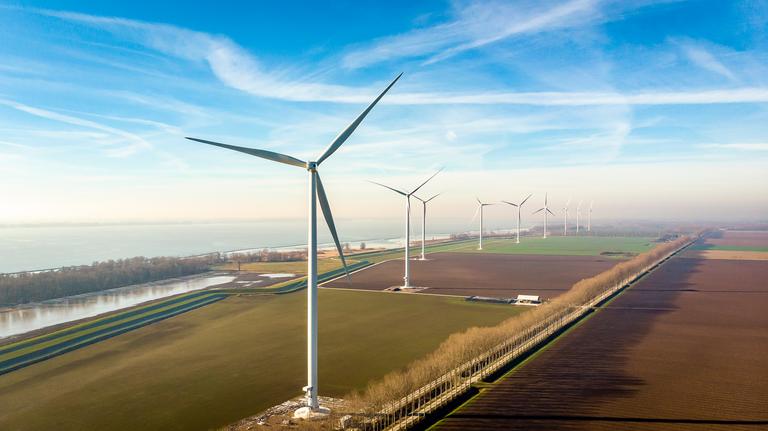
(528, 299)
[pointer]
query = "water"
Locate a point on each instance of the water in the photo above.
(29, 317)
(43, 247)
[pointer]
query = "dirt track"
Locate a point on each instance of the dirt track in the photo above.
(497, 275)
(686, 348)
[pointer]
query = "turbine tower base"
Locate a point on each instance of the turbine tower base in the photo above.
(308, 413)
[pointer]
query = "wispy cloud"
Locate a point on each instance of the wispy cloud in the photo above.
(237, 68)
(136, 142)
(703, 58)
(741, 146)
(474, 25)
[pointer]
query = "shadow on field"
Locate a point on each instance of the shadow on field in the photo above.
(580, 373)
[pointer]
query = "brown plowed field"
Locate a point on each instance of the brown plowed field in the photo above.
(739, 238)
(496, 275)
(684, 349)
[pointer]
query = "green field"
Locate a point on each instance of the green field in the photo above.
(556, 245)
(231, 359)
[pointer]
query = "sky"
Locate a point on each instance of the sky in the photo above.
(653, 110)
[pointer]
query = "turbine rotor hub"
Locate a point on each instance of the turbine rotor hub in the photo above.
(311, 166)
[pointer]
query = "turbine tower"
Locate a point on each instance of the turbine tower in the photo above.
(480, 206)
(519, 207)
(589, 217)
(316, 194)
(565, 218)
(546, 210)
(578, 216)
(407, 276)
(424, 223)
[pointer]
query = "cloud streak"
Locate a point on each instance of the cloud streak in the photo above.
(474, 25)
(701, 57)
(237, 68)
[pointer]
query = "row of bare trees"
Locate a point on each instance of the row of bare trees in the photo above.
(267, 255)
(461, 348)
(27, 287)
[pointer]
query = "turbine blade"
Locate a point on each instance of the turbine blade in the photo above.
(432, 197)
(539, 210)
(388, 187)
(422, 184)
(510, 203)
(524, 200)
(420, 199)
(550, 211)
(323, 200)
(345, 134)
(264, 154)
(477, 210)
(478, 200)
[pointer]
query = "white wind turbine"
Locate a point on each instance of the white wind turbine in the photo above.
(316, 193)
(424, 223)
(480, 206)
(565, 218)
(546, 210)
(407, 276)
(519, 207)
(578, 216)
(589, 217)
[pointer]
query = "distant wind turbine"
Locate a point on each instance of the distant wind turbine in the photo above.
(519, 207)
(565, 218)
(546, 210)
(316, 193)
(578, 216)
(424, 223)
(480, 206)
(589, 217)
(407, 276)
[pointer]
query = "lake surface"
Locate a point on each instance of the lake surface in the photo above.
(44, 247)
(30, 317)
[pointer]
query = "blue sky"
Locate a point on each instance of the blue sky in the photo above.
(652, 109)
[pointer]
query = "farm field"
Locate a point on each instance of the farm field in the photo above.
(685, 348)
(747, 241)
(494, 274)
(616, 246)
(217, 364)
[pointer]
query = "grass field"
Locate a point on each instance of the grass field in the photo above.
(557, 245)
(297, 267)
(231, 359)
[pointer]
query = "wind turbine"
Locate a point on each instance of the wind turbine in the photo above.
(407, 276)
(519, 207)
(578, 215)
(316, 193)
(546, 210)
(424, 223)
(565, 218)
(589, 217)
(480, 206)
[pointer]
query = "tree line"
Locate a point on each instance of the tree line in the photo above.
(27, 287)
